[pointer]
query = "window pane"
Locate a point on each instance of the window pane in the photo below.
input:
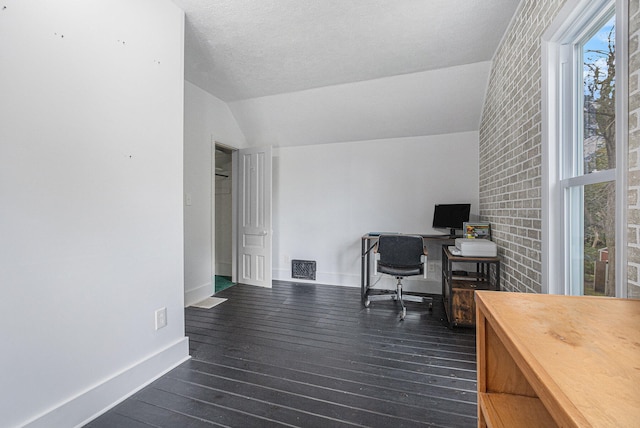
(599, 136)
(597, 246)
(575, 240)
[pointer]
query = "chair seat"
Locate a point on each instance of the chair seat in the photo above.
(399, 270)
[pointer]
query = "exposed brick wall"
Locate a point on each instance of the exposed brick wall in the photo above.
(634, 151)
(511, 147)
(511, 151)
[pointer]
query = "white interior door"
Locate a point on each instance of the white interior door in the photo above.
(254, 216)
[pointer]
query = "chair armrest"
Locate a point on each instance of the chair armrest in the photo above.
(423, 257)
(376, 257)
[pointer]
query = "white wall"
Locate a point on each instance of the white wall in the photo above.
(207, 119)
(91, 214)
(327, 196)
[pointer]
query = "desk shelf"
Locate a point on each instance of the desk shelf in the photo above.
(470, 277)
(508, 411)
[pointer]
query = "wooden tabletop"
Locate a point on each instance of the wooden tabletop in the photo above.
(580, 354)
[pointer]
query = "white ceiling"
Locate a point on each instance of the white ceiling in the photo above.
(240, 50)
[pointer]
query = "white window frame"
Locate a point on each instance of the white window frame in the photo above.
(559, 102)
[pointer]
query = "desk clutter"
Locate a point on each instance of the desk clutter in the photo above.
(471, 247)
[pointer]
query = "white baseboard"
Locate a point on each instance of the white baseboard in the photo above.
(198, 294)
(96, 400)
(223, 268)
(321, 278)
(412, 284)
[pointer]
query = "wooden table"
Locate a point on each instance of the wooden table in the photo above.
(547, 360)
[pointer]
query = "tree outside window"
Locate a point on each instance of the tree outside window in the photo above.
(599, 147)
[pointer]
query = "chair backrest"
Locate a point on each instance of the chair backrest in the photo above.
(400, 250)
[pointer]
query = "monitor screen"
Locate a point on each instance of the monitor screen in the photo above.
(450, 216)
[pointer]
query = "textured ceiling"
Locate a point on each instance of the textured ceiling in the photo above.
(241, 49)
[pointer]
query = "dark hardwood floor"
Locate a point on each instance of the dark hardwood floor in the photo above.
(311, 356)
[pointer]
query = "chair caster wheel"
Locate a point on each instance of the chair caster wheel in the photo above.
(404, 314)
(367, 303)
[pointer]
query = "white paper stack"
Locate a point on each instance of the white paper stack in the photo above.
(476, 247)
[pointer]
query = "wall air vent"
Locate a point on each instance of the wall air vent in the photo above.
(303, 269)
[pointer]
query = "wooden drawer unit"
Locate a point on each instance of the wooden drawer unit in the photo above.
(463, 305)
(458, 290)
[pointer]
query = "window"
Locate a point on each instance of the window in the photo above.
(582, 204)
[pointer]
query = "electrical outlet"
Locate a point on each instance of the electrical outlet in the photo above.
(161, 318)
(432, 267)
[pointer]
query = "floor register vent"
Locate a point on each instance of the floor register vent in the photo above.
(303, 269)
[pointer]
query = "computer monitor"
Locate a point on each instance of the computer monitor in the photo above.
(451, 216)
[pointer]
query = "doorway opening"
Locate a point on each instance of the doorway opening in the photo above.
(223, 217)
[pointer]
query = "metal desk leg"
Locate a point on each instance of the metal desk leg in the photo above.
(365, 281)
(367, 278)
(450, 290)
(362, 245)
(450, 302)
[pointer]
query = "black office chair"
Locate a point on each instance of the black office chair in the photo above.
(400, 256)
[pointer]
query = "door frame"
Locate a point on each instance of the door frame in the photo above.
(235, 179)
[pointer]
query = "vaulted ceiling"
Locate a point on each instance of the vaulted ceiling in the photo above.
(271, 60)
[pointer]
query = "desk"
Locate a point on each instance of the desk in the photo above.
(548, 361)
(458, 290)
(369, 240)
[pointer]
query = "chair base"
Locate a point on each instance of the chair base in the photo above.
(398, 296)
